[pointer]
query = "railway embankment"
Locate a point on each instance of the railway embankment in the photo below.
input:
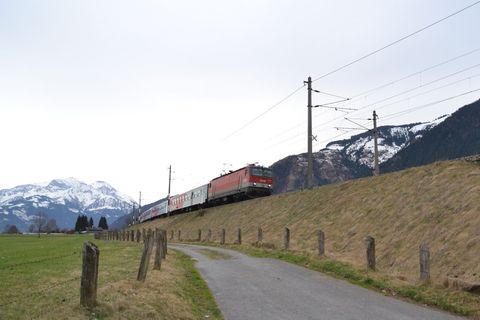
(437, 205)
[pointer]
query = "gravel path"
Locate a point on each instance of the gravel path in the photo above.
(261, 288)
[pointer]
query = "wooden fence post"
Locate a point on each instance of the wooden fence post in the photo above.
(259, 236)
(179, 232)
(171, 235)
(286, 239)
(165, 242)
(321, 242)
(239, 236)
(132, 235)
(424, 262)
(209, 235)
(222, 236)
(158, 249)
(147, 252)
(370, 243)
(199, 235)
(143, 235)
(88, 283)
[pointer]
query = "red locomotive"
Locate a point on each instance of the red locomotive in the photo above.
(251, 181)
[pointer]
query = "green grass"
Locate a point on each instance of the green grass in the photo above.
(40, 279)
(197, 291)
(40, 275)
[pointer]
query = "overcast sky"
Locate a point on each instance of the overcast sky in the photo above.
(119, 90)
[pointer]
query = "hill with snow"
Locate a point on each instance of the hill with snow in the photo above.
(62, 200)
(349, 158)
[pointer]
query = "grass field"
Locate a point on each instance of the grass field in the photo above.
(40, 279)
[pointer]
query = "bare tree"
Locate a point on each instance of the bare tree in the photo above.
(51, 226)
(39, 222)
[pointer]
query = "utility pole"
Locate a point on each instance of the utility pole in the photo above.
(310, 135)
(169, 179)
(135, 217)
(140, 204)
(376, 169)
(169, 185)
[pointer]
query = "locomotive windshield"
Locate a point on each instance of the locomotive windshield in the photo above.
(262, 172)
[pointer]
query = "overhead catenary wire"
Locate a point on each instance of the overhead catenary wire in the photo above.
(263, 113)
(381, 107)
(409, 110)
(415, 73)
(395, 42)
(420, 86)
(354, 97)
(428, 91)
(349, 64)
(399, 94)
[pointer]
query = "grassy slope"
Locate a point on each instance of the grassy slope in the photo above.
(40, 279)
(437, 204)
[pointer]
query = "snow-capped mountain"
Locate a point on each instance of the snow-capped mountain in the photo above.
(62, 200)
(391, 139)
(350, 158)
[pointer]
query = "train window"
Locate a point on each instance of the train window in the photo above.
(262, 172)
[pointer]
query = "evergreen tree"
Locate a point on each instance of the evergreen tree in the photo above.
(77, 225)
(82, 223)
(103, 223)
(90, 223)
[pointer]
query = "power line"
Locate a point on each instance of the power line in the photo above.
(409, 110)
(301, 124)
(263, 113)
(415, 73)
(395, 42)
(428, 91)
(399, 94)
(349, 64)
(421, 86)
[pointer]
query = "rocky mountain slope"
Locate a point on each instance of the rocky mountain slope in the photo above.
(62, 200)
(347, 159)
(457, 136)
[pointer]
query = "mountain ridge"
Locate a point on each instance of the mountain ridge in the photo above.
(349, 158)
(63, 200)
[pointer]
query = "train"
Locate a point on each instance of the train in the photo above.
(249, 182)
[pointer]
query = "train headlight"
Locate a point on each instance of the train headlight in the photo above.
(254, 184)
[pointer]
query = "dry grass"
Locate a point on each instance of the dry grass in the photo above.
(436, 204)
(50, 289)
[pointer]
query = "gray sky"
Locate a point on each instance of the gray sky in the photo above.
(119, 90)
